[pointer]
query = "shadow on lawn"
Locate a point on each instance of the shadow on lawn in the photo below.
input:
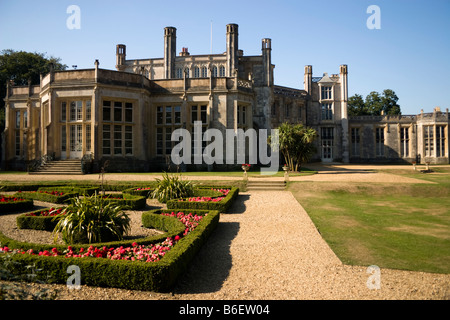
(211, 267)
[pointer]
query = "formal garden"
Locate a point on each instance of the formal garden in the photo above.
(91, 230)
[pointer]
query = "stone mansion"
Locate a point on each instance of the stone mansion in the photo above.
(127, 115)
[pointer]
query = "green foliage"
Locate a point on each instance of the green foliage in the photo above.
(91, 219)
(295, 142)
(172, 187)
(374, 104)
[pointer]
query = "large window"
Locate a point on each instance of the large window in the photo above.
(440, 141)
(327, 139)
(326, 93)
(17, 119)
(428, 135)
(327, 111)
(242, 116)
(355, 142)
(168, 118)
(117, 129)
(379, 142)
(404, 142)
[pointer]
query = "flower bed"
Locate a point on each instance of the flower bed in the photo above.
(53, 196)
(221, 203)
(14, 203)
(113, 266)
(128, 201)
(39, 220)
(89, 191)
(139, 191)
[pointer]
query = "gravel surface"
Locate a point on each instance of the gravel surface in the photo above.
(266, 247)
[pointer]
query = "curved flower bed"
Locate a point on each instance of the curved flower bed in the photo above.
(139, 191)
(14, 203)
(111, 265)
(221, 203)
(147, 253)
(53, 196)
(39, 220)
(131, 202)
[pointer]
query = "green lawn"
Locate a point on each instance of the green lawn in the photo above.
(392, 226)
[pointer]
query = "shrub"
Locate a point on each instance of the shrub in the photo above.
(92, 219)
(39, 220)
(172, 187)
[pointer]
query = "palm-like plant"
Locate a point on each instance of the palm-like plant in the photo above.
(172, 187)
(91, 219)
(296, 144)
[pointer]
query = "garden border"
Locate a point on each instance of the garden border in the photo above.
(159, 276)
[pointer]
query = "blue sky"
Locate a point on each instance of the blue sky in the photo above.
(409, 54)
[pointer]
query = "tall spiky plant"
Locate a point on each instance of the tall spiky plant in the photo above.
(172, 187)
(92, 219)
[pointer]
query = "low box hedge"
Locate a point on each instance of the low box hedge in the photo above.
(8, 204)
(37, 221)
(159, 276)
(139, 191)
(88, 191)
(45, 196)
(131, 202)
(221, 206)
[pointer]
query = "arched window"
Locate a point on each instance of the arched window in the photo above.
(204, 72)
(196, 72)
(179, 73)
(222, 71)
(214, 71)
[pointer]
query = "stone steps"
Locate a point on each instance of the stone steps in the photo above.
(60, 167)
(265, 185)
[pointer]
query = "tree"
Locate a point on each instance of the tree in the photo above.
(21, 66)
(356, 106)
(296, 144)
(374, 104)
(389, 102)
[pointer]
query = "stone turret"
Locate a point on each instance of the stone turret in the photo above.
(232, 49)
(170, 51)
(120, 57)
